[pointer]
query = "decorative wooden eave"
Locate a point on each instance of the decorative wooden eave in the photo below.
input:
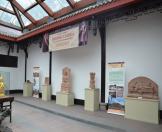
(8, 38)
(78, 16)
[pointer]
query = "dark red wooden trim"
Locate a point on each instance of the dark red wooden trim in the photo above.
(3, 37)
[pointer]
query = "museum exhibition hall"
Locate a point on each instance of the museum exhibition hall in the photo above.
(80, 65)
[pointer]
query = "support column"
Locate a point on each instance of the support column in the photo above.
(25, 66)
(50, 68)
(102, 30)
(26, 57)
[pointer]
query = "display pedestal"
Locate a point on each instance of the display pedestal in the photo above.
(146, 110)
(46, 92)
(91, 99)
(28, 89)
(65, 99)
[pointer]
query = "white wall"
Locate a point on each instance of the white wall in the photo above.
(37, 58)
(81, 61)
(139, 44)
(17, 75)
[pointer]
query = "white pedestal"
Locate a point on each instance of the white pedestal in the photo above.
(65, 99)
(91, 99)
(46, 92)
(28, 89)
(146, 110)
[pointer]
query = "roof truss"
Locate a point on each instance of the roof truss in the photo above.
(71, 3)
(22, 10)
(73, 19)
(45, 7)
(35, 23)
(18, 16)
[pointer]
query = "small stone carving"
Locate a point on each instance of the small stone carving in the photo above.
(92, 80)
(143, 87)
(66, 80)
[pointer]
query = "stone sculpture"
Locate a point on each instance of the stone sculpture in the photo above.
(66, 80)
(143, 87)
(92, 80)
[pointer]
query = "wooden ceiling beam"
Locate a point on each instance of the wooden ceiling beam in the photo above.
(4, 37)
(45, 7)
(18, 16)
(71, 3)
(83, 3)
(64, 11)
(7, 10)
(22, 10)
(30, 7)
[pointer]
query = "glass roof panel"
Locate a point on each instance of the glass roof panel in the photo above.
(15, 21)
(37, 12)
(25, 20)
(3, 3)
(26, 3)
(7, 17)
(56, 5)
(6, 4)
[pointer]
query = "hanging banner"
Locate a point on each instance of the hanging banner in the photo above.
(64, 40)
(36, 80)
(116, 84)
(70, 38)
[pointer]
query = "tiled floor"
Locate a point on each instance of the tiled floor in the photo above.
(35, 115)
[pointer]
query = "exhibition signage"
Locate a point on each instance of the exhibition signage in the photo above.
(72, 37)
(64, 40)
(36, 80)
(116, 84)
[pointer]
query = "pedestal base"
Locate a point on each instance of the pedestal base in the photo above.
(146, 110)
(27, 90)
(65, 99)
(91, 99)
(46, 92)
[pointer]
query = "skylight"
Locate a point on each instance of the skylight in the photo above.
(6, 4)
(18, 14)
(37, 12)
(25, 20)
(56, 5)
(26, 3)
(9, 18)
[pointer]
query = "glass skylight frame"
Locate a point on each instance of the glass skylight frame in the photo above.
(56, 5)
(9, 18)
(26, 3)
(37, 12)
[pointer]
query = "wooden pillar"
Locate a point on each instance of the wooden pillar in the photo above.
(26, 57)
(25, 66)
(50, 68)
(102, 30)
